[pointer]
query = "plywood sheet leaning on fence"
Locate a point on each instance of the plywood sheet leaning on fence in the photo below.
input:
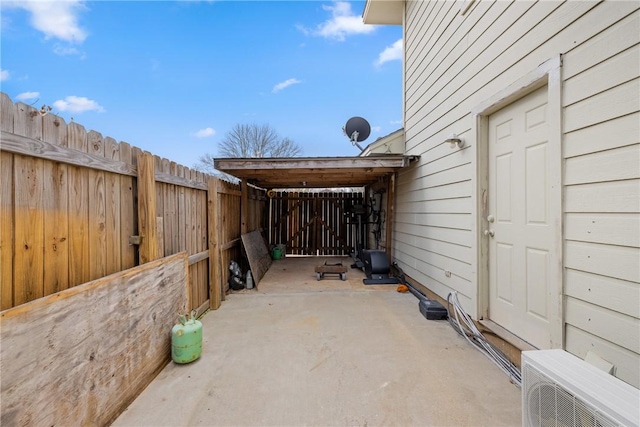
(258, 255)
(80, 356)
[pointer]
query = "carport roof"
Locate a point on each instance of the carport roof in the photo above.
(313, 172)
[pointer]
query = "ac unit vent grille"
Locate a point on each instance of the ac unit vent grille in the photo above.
(548, 404)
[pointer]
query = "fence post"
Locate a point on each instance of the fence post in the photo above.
(215, 287)
(147, 208)
(244, 207)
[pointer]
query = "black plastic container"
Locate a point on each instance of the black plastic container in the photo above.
(432, 310)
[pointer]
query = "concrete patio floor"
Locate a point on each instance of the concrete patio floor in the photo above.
(302, 352)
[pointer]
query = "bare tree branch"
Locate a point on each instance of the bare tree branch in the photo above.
(251, 141)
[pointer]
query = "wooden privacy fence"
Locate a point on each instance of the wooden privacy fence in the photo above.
(76, 206)
(323, 223)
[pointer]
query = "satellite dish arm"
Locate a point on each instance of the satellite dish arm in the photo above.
(353, 138)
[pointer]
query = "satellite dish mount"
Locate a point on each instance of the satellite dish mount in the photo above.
(357, 130)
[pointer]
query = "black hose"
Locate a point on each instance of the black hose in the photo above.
(401, 277)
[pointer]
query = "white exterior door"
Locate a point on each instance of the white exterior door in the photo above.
(521, 220)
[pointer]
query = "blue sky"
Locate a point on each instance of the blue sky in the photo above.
(173, 77)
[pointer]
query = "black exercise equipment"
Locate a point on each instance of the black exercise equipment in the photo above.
(377, 269)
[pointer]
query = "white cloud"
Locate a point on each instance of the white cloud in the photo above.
(25, 96)
(56, 19)
(4, 75)
(204, 133)
(396, 122)
(66, 51)
(376, 129)
(343, 23)
(391, 53)
(277, 88)
(78, 104)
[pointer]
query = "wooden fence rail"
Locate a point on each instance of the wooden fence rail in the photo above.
(76, 206)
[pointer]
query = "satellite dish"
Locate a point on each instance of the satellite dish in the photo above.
(357, 129)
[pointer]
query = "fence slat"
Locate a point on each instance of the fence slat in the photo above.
(147, 209)
(6, 231)
(78, 211)
(128, 211)
(215, 288)
(6, 209)
(97, 212)
(56, 221)
(174, 194)
(169, 211)
(29, 229)
(112, 203)
(29, 213)
(189, 227)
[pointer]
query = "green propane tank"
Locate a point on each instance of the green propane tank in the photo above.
(186, 339)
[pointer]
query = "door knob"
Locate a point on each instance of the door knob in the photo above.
(490, 218)
(489, 233)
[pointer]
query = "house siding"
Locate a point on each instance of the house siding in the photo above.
(455, 62)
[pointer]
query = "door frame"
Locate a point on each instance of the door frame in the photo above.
(547, 74)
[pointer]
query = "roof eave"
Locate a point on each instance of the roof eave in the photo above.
(312, 172)
(383, 12)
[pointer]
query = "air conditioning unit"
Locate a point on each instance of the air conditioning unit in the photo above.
(560, 389)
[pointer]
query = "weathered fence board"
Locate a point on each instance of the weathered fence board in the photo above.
(147, 209)
(78, 211)
(258, 255)
(6, 209)
(97, 212)
(56, 219)
(112, 227)
(78, 357)
(7, 231)
(128, 211)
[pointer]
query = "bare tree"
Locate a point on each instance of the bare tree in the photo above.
(250, 141)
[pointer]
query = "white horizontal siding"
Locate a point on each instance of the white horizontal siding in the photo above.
(435, 177)
(620, 262)
(579, 342)
(539, 35)
(606, 324)
(614, 133)
(617, 295)
(606, 43)
(431, 230)
(611, 165)
(448, 221)
(620, 229)
(610, 104)
(613, 72)
(441, 262)
(612, 196)
(453, 64)
(453, 190)
(602, 198)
